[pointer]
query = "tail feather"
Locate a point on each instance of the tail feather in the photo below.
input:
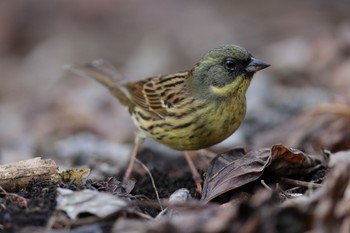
(105, 74)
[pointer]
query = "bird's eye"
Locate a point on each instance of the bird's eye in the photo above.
(230, 64)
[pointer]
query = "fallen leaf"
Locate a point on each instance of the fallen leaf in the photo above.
(97, 203)
(235, 168)
(286, 161)
(232, 170)
(119, 188)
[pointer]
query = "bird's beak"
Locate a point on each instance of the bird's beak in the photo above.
(256, 65)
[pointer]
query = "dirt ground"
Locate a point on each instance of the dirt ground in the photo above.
(41, 196)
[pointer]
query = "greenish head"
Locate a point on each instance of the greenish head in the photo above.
(225, 71)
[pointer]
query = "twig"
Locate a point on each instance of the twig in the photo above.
(300, 183)
(21, 201)
(3, 191)
(152, 180)
(266, 186)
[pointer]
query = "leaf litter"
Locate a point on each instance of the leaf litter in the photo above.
(265, 190)
(232, 170)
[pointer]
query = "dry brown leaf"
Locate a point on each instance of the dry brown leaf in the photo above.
(235, 168)
(232, 170)
(286, 161)
(116, 187)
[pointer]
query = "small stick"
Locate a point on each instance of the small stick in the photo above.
(152, 180)
(265, 185)
(21, 201)
(300, 183)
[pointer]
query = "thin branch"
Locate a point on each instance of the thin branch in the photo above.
(266, 186)
(300, 183)
(19, 200)
(152, 180)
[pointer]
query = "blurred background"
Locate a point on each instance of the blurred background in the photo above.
(46, 111)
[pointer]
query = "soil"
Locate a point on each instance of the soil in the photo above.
(41, 195)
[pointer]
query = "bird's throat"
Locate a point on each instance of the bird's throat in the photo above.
(237, 87)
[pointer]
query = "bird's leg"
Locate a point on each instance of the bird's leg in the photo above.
(195, 174)
(139, 139)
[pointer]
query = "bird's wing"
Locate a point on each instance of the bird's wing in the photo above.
(160, 94)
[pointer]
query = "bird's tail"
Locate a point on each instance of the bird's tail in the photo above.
(105, 74)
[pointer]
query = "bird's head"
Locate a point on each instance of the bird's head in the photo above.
(225, 71)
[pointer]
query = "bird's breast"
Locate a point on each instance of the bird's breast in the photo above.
(201, 126)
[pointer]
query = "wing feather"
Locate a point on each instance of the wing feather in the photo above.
(159, 94)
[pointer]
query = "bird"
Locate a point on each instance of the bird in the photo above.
(189, 110)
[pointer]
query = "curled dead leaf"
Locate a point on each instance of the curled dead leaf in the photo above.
(236, 168)
(116, 187)
(232, 170)
(286, 161)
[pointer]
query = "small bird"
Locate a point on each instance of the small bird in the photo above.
(188, 110)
